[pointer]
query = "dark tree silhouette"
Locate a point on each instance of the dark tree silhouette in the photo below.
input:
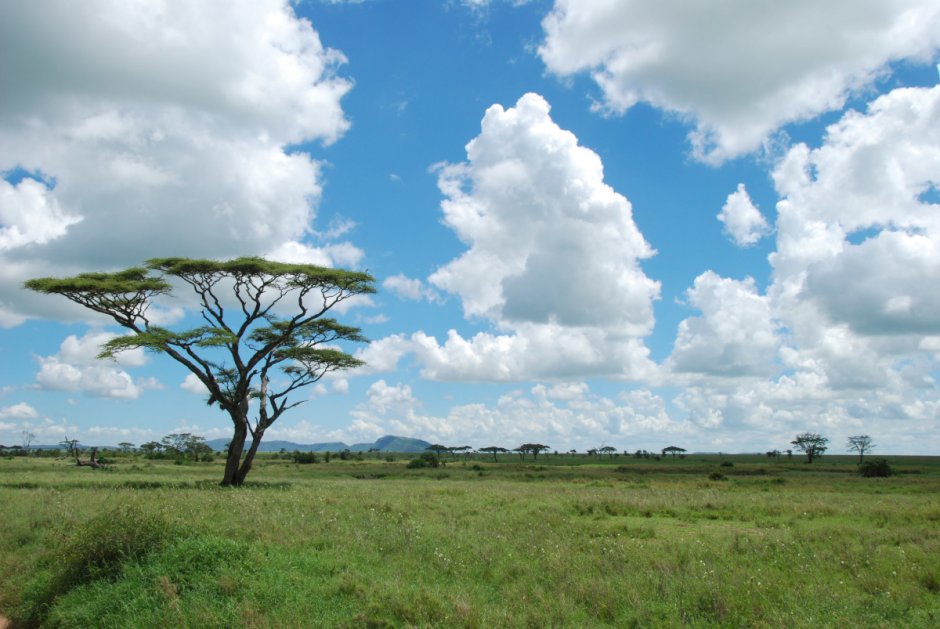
(494, 450)
(244, 340)
(437, 449)
(811, 443)
(534, 448)
(860, 444)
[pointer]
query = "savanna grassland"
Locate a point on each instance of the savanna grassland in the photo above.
(562, 542)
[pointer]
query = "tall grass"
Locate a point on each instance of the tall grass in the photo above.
(373, 544)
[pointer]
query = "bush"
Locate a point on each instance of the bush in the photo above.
(726, 464)
(717, 475)
(92, 552)
(390, 458)
(425, 460)
(304, 458)
(875, 468)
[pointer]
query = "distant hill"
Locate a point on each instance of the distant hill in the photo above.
(389, 443)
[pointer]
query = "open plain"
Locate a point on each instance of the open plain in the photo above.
(565, 541)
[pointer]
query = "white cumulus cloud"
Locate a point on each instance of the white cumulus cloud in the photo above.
(552, 263)
(742, 220)
(164, 125)
(76, 368)
(845, 337)
(409, 288)
(738, 69)
(192, 384)
(18, 411)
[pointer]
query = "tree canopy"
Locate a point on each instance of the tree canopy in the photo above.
(494, 450)
(860, 444)
(246, 337)
(812, 444)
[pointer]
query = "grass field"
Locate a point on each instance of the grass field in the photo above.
(561, 542)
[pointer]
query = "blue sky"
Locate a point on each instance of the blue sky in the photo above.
(591, 223)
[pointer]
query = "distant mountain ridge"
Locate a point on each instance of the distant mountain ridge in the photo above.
(388, 443)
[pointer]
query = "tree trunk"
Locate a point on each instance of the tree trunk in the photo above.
(235, 449)
(246, 466)
(90, 463)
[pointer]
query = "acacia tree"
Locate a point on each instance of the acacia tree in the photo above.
(245, 339)
(438, 449)
(811, 443)
(860, 444)
(27, 440)
(674, 450)
(494, 450)
(534, 448)
(608, 450)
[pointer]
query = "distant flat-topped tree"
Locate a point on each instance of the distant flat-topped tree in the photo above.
(493, 450)
(244, 338)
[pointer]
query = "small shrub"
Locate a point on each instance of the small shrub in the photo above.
(726, 464)
(717, 475)
(477, 468)
(304, 458)
(426, 460)
(875, 468)
(93, 551)
(390, 458)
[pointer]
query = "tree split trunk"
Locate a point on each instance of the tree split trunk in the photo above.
(235, 449)
(89, 463)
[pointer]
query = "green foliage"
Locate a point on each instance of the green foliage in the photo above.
(427, 459)
(811, 443)
(94, 551)
(296, 276)
(875, 468)
(726, 464)
(255, 340)
(304, 458)
(717, 475)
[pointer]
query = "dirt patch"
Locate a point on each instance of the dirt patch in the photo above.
(4, 623)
